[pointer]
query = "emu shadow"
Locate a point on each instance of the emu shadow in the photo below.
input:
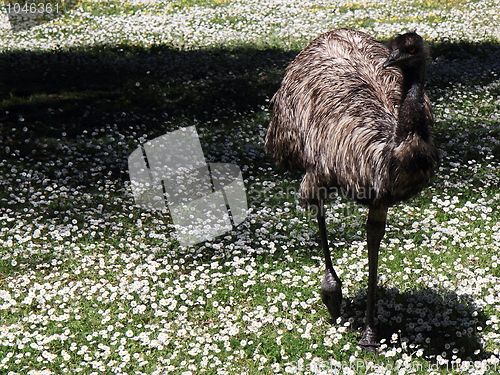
(437, 321)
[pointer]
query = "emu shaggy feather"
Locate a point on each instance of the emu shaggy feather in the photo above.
(352, 114)
(336, 118)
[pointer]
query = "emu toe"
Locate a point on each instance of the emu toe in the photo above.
(331, 294)
(369, 341)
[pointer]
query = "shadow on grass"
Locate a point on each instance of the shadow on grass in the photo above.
(83, 88)
(89, 95)
(107, 99)
(439, 322)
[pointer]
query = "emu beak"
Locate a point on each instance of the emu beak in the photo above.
(391, 60)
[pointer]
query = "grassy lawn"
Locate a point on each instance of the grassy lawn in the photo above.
(92, 284)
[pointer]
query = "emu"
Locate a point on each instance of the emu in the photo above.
(353, 115)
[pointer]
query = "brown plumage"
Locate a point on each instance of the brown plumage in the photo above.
(352, 114)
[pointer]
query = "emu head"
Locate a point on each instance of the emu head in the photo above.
(407, 51)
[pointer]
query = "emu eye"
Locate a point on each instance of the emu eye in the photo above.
(412, 50)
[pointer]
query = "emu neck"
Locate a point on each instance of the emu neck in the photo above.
(413, 119)
(413, 83)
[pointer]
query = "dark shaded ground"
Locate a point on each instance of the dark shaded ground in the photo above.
(82, 89)
(51, 99)
(81, 97)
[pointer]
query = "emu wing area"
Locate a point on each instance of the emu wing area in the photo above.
(335, 116)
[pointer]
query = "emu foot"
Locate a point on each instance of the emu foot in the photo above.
(369, 341)
(331, 293)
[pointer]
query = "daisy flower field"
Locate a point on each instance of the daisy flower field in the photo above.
(91, 284)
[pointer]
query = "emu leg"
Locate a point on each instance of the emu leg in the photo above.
(331, 286)
(375, 229)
